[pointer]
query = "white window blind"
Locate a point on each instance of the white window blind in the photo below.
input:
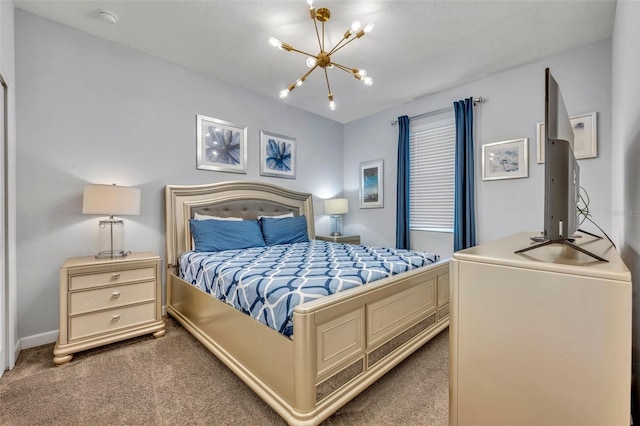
(432, 179)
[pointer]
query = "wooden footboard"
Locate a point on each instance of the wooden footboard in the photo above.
(341, 344)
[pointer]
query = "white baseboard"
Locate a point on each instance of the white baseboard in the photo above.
(36, 340)
(16, 351)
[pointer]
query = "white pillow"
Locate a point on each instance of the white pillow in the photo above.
(198, 216)
(280, 216)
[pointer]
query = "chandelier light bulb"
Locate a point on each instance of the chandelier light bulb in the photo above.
(363, 74)
(368, 81)
(355, 26)
(284, 93)
(311, 62)
(310, 3)
(299, 83)
(368, 28)
(275, 42)
(332, 105)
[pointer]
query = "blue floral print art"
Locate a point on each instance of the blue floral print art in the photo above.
(223, 146)
(279, 156)
(505, 160)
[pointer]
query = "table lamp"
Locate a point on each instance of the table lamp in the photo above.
(335, 207)
(111, 200)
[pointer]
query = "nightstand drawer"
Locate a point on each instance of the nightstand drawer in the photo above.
(110, 297)
(106, 321)
(78, 282)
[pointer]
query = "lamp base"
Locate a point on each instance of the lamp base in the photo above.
(111, 239)
(335, 225)
(112, 254)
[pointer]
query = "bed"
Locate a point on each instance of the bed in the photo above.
(340, 344)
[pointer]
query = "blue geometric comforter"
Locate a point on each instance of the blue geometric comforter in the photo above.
(269, 282)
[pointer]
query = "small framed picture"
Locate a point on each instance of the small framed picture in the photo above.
(277, 155)
(505, 160)
(371, 184)
(221, 146)
(585, 144)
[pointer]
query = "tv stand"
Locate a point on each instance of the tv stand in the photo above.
(568, 243)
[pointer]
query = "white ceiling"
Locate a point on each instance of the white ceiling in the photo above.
(416, 47)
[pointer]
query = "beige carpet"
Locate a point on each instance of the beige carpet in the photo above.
(176, 381)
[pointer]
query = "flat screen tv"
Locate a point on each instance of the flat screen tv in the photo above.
(561, 174)
(561, 171)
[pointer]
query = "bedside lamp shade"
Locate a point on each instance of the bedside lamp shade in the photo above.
(111, 200)
(335, 207)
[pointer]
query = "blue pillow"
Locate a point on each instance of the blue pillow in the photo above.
(284, 231)
(216, 235)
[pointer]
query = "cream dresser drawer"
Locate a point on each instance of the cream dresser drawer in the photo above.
(114, 319)
(103, 301)
(80, 282)
(111, 297)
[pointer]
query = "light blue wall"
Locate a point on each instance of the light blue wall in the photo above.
(92, 111)
(514, 103)
(626, 159)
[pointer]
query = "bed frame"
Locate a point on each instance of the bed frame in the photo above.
(341, 344)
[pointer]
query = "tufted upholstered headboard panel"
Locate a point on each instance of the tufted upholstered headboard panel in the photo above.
(246, 200)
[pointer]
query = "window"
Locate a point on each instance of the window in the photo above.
(431, 186)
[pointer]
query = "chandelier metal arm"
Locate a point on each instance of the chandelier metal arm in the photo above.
(312, 12)
(340, 45)
(290, 48)
(306, 74)
(356, 73)
(326, 76)
(343, 68)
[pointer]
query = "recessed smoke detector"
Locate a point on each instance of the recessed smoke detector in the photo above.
(108, 17)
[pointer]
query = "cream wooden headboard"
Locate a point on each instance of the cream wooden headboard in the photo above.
(246, 200)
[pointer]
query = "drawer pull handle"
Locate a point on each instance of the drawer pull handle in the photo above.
(115, 318)
(115, 276)
(115, 294)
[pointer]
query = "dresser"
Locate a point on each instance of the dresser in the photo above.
(539, 338)
(345, 239)
(107, 300)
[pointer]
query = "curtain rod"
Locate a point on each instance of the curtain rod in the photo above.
(438, 111)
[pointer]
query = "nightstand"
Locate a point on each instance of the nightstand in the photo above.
(345, 239)
(107, 300)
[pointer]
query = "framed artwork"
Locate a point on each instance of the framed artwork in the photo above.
(371, 184)
(505, 160)
(585, 144)
(277, 155)
(221, 146)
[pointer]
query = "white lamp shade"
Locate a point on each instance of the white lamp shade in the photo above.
(336, 206)
(111, 200)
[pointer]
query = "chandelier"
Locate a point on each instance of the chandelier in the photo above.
(323, 59)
